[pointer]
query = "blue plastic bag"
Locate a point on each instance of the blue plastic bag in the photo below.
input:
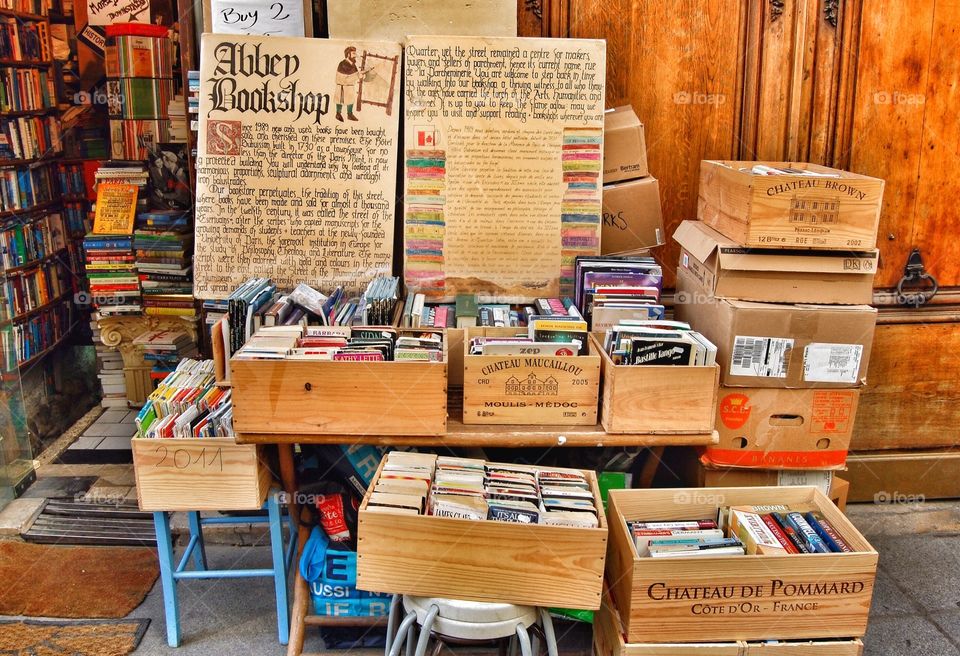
(331, 575)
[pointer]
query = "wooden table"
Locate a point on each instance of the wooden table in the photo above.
(458, 435)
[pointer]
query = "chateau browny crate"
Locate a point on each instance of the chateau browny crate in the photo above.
(608, 640)
(657, 399)
(487, 561)
(522, 389)
(199, 474)
(838, 210)
(306, 397)
(726, 598)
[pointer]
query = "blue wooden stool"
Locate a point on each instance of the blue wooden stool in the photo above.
(169, 575)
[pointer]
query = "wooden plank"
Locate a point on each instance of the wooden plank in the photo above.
(912, 392)
(887, 136)
(687, 97)
(199, 474)
(882, 476)
(664, 599)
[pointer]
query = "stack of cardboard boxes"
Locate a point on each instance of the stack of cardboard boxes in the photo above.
(632, 218)
(778, 273)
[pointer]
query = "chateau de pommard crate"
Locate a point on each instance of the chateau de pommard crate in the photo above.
(309, 397)
(481, 560)
(529, 389)
(732, 598)
(608, 640)
(176, 474)
(812, 207)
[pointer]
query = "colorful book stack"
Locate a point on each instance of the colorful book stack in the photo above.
(140, 88)
(30, 137)
(114, 287)
(164, 349)
(193, 100)
(187, 403)
(163, 244)
(110, 372)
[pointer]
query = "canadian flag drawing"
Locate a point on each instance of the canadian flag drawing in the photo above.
(426, 136)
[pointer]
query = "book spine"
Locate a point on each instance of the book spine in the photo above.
(814, 542)
(779, 534)
(829, 535)
(791, 533)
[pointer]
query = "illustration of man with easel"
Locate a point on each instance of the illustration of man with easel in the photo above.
(348, 79)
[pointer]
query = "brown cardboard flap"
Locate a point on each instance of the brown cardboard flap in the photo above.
(621, 117)
(851, 263)
(803, 166)
(698, 238)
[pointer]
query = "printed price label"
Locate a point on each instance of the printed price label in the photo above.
(831, 363)
(763, 357)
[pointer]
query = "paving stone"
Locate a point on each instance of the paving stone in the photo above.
(85, 443)
(920, 565)
(114, 416)
(110, 430)
(18, 515)
(115, 443)
(909, 635)
(889, 599)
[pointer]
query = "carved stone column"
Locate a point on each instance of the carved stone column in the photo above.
(119, 332)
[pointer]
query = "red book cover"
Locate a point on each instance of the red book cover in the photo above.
(779, 534)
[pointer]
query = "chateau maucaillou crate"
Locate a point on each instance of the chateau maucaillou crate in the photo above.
(528, 389)
(839, 210)
(608, 640)
(308, 397)
(491, 561)
(199, 474)
(655, 399)
(729, 598)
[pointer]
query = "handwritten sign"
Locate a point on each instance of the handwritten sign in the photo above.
(107, 12)
(258, 17)
(116, 209)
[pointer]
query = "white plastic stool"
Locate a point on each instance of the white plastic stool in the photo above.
(465, 622)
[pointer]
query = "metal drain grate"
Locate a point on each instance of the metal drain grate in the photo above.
(67, 521)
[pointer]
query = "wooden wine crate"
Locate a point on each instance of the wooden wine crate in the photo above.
(199, 474)
(657, 399)
(520, 389)
(485, 560)
(725, 598)
(790, 211)
(339, 398)
(608, 640)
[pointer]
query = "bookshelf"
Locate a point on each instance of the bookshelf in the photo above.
(38, 278)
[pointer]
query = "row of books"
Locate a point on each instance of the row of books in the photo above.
(28, 290)
(24, 41)
(137, 97)
(76, 218)
(23, 242)
(187, 403)
(467, 312)
(30, 137)
(23, 188)
(658, 343)
(548, 335)
(26, 89)
(70, 180)
(625, 287)
(341, 343)
(774, 530)
(137, 138)
(193, 99)
(469, 488)
(24, 340)
(36, 7)
(139, 56)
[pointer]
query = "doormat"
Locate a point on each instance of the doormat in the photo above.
(93, 638)
(41, 580)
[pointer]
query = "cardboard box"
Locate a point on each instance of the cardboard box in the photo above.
(523, 389)
(632, 217)
(836, 211)
(729, 270)
(482, 560)
(608, 640)
(728, 598)
(624, 146)
(781, 345)
(783, 429)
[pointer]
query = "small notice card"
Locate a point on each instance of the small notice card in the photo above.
(116, 209)
(258, 17)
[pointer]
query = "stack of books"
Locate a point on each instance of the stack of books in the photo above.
(193, 100)
(187, 403)
(178, 119)
(610, 289)
(163, 243)
(110, 371)
(164, 349)
(114, 286)
(658, 343)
